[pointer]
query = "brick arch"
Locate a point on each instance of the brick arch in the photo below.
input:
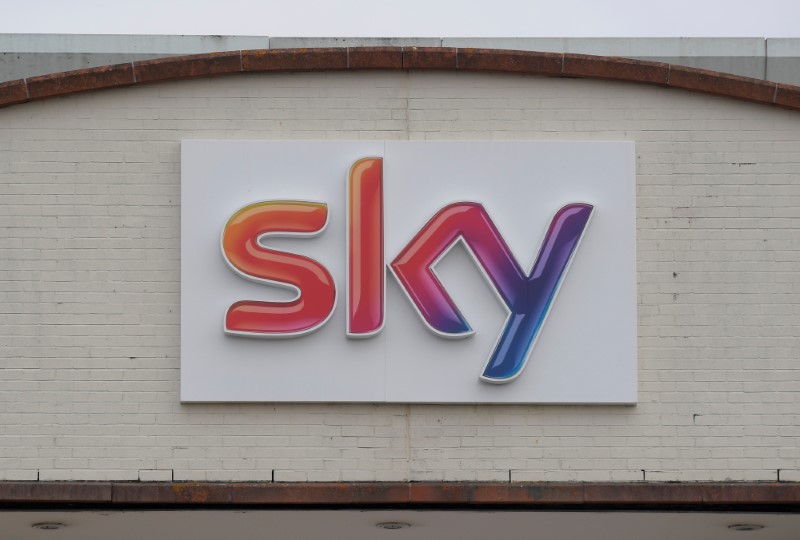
(400, 58)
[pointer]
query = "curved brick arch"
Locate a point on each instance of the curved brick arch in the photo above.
(400, 58)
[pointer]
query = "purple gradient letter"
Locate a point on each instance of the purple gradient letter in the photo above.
(528, 297)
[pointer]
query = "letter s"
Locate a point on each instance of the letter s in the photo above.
(244, 251)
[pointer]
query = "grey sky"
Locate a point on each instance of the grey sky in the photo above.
(434, 18)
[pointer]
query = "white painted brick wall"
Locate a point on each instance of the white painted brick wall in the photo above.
(89, 288)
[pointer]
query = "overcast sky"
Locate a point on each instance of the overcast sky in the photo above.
(431, 18)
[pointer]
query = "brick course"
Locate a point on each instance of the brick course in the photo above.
(394, 58)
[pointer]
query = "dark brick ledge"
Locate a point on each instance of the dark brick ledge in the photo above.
(400, 58)
(700, 496)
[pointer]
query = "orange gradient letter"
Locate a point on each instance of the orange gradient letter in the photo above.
(243, 249)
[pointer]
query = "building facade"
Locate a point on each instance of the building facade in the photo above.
(90, 172)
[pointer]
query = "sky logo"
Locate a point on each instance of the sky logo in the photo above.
(408, 271)
(527, 296)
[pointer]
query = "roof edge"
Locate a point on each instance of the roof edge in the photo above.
(400, 58)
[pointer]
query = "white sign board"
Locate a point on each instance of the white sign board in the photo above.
(476, 247)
